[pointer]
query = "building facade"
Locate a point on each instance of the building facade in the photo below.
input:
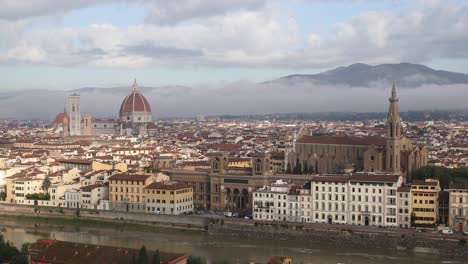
(458, 207)
(425, 202)
(127, 192)
(169, 197)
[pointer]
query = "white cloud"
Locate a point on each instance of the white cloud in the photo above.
(244, 33)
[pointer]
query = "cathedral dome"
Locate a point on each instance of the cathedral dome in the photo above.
(135, 102)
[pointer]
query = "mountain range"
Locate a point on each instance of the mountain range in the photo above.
(358, 87)
(364, 75)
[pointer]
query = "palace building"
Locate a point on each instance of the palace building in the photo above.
(339, 154)
(135, 118)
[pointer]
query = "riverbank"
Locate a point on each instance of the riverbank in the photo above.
(214, 247)
(116, 225)
(357, 237)
(405, 240)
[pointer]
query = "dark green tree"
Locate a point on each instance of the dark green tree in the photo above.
(305, 168)
(288, 168)
(196, 260)
(156, 257)
(46, 184)
(142, 256)
(7, 250)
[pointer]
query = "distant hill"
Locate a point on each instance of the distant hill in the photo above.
(364, 75)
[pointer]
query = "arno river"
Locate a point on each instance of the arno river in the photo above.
(212, 248)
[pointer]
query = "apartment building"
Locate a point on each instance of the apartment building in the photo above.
(126, 192)
(425, 201)
(458, 207)
(169, 197)
(359, 199)
(404, 207)
(330, 199)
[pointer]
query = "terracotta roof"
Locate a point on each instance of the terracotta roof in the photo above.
(168, 185)
(132, 177)
(330, 178)
(59, 118)
(135, 102)
(343, 140)
(53, 251)
(372, 177)
(422, 182)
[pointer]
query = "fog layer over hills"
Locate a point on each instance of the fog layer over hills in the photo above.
(358, 88)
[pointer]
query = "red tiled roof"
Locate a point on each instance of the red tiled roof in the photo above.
(343, 140)
(371, 177)
(132, 177)
(53, 251)
(168, 185)
(135, 102)
(330, 178)
(59, 118)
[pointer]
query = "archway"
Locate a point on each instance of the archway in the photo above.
(330, 219)
(366, 220)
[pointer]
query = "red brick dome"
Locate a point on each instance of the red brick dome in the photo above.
(59, 118)
(135, 102)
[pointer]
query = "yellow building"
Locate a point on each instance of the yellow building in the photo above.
(425, 201)
(239, 162)
(126, 192)
(169, 197)
(97, 166)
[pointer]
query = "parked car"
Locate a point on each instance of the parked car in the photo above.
(447, 231)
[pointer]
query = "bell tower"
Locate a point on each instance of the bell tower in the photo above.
(393, 146)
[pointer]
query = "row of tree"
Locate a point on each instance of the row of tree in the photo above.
(10, 254)
(446, 176)
(300, 169)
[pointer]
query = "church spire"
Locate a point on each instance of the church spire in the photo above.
(135, 85)
(393, 148)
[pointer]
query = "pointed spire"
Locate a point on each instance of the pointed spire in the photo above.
(394, 97)
(135, 85)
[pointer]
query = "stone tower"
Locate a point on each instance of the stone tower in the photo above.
(75, 115)
(87, 123)
(393, 146)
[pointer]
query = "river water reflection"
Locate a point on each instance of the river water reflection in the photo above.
(210, 247)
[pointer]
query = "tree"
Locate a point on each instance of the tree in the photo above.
(46, 184)
(196, 260)
(156, 257)
(142, 256)
(305, 168)
(288, 168)
(7, 250)
(2, 196)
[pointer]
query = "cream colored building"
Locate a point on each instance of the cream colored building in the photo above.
(458, 207)
(126, 192)
(169, 197)
(404, 207)
(425, 201)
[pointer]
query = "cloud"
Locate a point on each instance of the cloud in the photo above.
(171, 12)
(237, 33)
(18, 9)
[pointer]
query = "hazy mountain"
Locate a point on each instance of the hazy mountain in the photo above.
(343, 89)
(363, 75)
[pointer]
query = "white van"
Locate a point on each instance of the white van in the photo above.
(447, 231)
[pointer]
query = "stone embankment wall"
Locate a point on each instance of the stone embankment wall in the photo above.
(175, 221)
(343, 236)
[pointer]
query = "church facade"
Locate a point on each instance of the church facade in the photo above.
(341, 154)
(135, 118)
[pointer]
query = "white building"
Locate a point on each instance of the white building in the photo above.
(373, 199)
(404, 207)
(330, 199)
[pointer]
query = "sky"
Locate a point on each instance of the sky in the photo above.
(69, 44)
